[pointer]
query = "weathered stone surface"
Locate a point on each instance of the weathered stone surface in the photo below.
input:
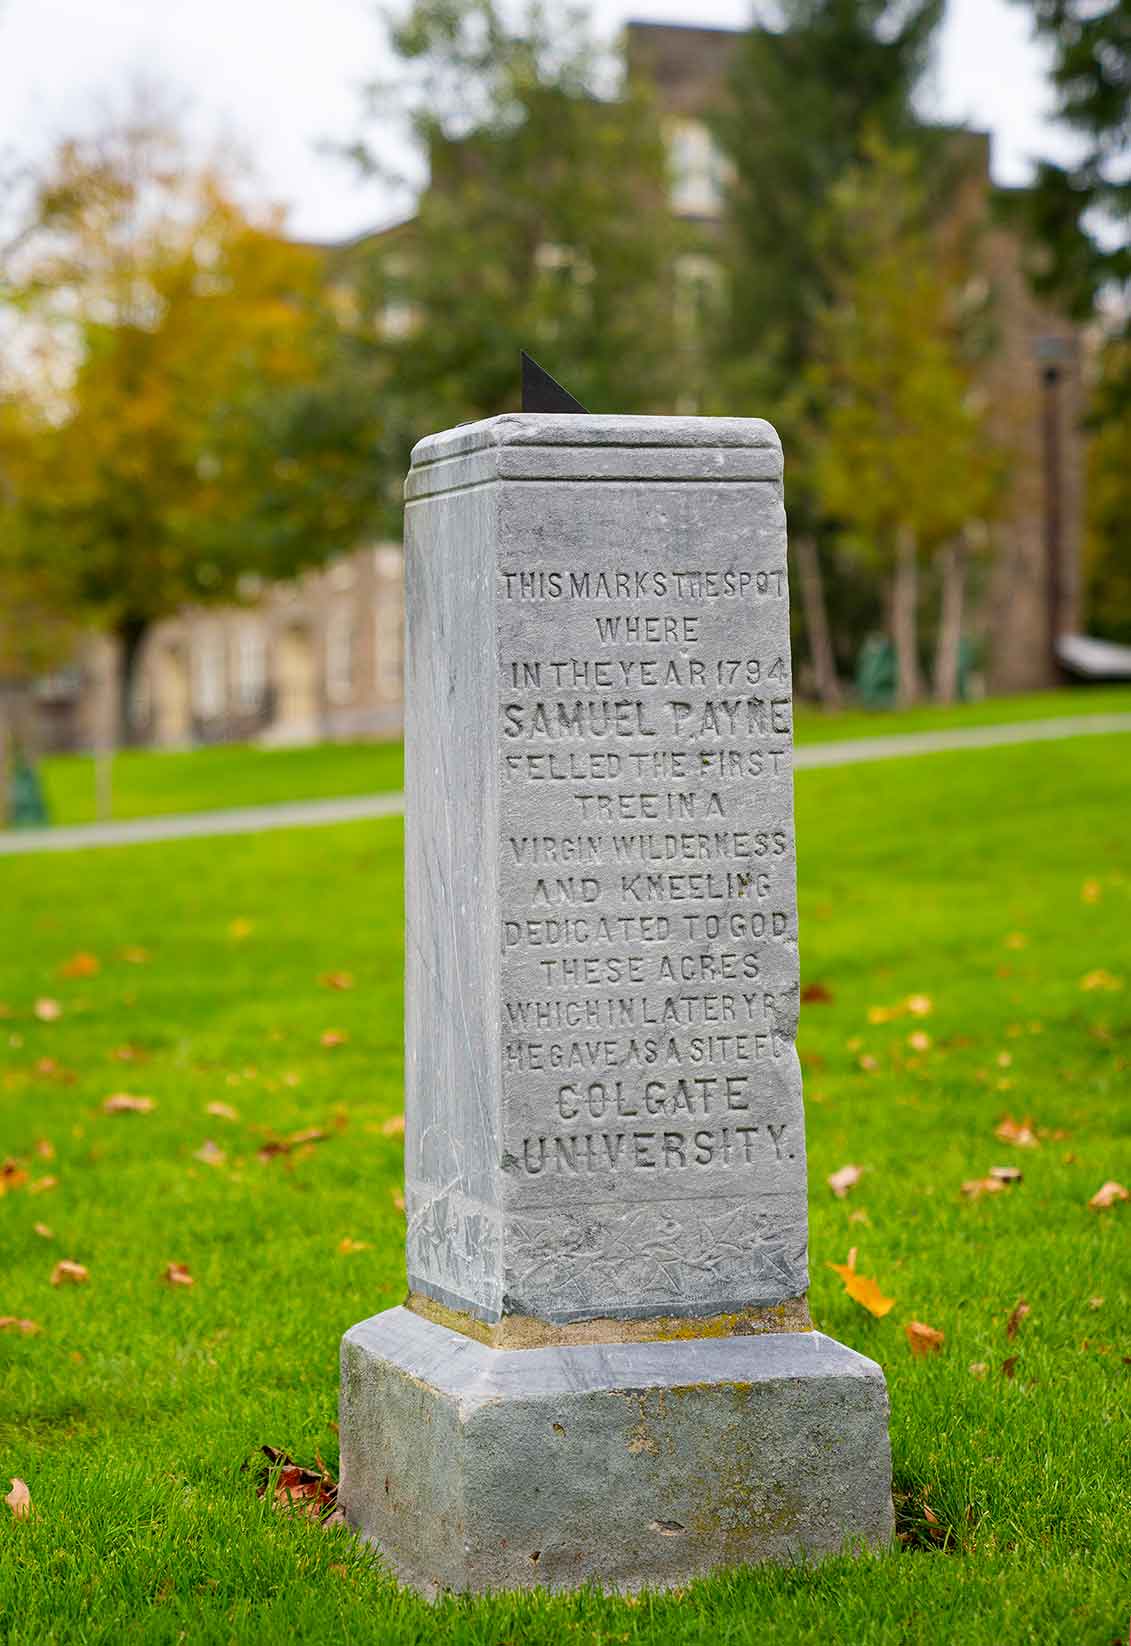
(621, 1464)
(603, 1107)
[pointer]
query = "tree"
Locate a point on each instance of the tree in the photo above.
(545, 226)
(193, 443)
(1080, 216)
(902, 455)
(809, 82)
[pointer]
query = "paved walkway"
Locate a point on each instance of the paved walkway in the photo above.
(305, 814)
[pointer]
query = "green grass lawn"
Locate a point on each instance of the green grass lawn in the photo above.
(991, 883)
(146, 784)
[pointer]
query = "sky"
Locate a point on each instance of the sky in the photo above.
(281, 78)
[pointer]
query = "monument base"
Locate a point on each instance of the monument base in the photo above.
(619, 1464)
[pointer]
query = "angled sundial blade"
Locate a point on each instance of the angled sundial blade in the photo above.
(542, 393)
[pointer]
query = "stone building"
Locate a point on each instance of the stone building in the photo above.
(321, 657)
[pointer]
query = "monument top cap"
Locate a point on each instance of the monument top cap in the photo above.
(563, 446)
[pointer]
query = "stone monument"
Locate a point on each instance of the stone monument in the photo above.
(605, 1369)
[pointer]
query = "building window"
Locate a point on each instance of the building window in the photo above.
(389, 624)
(699, 170)
(251, 664)
(208, 674)
(339, 655)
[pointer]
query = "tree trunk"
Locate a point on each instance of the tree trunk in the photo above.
(131, 635)
(817, 623)
(947, 653)
(904, 605)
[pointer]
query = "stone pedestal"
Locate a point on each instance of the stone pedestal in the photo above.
(606, 1370)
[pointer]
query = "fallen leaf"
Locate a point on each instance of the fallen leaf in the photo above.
(860, 1216)
(1090, 891)
(348, 1246)
(1020, 1133)
(12, 1176)
(1016, 940)
(40, 1185)
(816, 994)
(310, 1134)
(312, 1492)
(883, 1014)
(398, 1199)
(128, 1054)
(923, 1339)
(978, 1368)
(1006, 1174)
(976, 1186)
(13, 1323)
(847, 1177)
(44, 1148)
(867, 1062)
(1107, 1195)
(177, 1275)
(862, 1289)
(919, 1005)
(1009, 1366)
(394, 1126)
(19, 1498)
(48, 1010)
(1005, 1060)
(135, 956)
(1095, 1303)
(67, 1272)
(333, 1037)
(123, 1103)
(920, 1041)
(222, 1111)
(210, 1154)
(240, 928)
(1101, 980)
(336, 980)
(1015, 1319)
(44, 1232)
(80, 965)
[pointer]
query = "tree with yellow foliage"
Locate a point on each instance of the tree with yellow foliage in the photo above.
(195, 437)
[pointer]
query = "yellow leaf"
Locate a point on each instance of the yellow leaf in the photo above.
(863, 1289)
(1101, 980)
(923, 1339)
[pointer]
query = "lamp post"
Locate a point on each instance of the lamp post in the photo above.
(1052, 354)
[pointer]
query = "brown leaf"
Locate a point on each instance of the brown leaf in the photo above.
(80, 965)
(923, 1339)
(210, 1154)
(176, 1274)
(311, 1134)
(1021, 1133)
(840, 1181)
(123, 1103)
(1015, 1319)
(862, 1289)
(44, 1232)
(40, 1185)
(1009, 1366)
(336, 980)
(67, 1272)
(816, 994)
(12, 1176)
(976, 1186)
(394, 1126)
(1006, 1174)
(348, 1246)
(1107, 1195)
(48, 1010)
(222, 1111)
(13, 1323)
(19, 1498)
(44, 1148)
(398, 1199)
(333, 1037)
(312, 1492)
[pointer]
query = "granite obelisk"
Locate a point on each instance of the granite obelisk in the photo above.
(605, 1369)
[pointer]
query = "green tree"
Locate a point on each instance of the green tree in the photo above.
(901, 452)
(545, 226)
(810, 81)
(1080, 216)
(194, 441)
